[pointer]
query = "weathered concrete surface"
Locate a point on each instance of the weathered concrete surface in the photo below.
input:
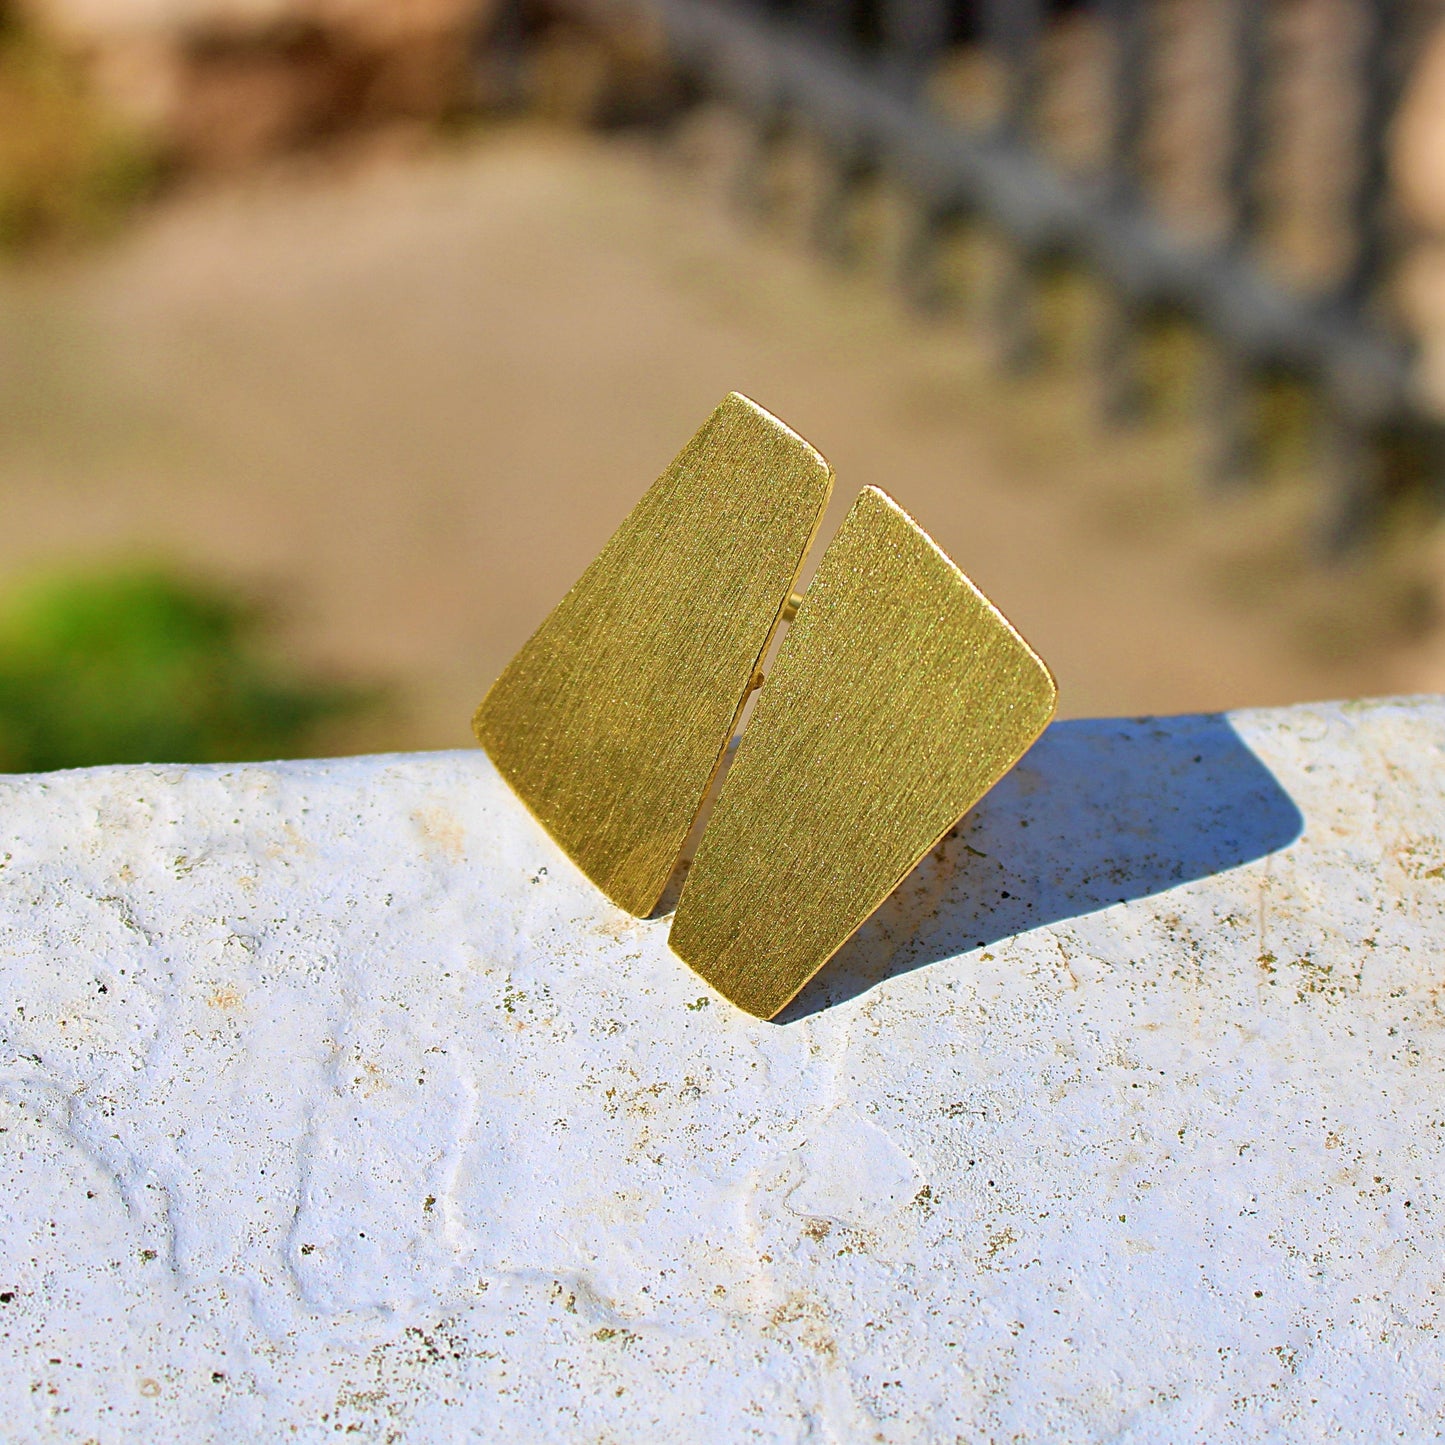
(336, 1103)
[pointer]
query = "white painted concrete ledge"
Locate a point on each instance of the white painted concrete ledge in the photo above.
(336, 1104)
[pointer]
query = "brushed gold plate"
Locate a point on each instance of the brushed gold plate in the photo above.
(899, 696)
(610, 723)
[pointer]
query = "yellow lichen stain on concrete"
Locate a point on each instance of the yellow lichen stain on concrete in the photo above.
(291, 843)
(623, 1337)
(618, 925)
(1320, 980)
(567, 1297)
(996, 1243)
(224, 996)
(442, 836)
(852, 1240)
(1422, 858)
(371, 1080)
(804, 1318)
(638, 1103)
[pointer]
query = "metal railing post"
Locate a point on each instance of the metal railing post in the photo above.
(1121, 383)
(1354, 456)
(1014, 30)
(1233, 404)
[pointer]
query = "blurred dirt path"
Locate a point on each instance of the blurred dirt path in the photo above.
(415, 395)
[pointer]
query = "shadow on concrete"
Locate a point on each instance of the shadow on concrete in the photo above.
(1098, 812)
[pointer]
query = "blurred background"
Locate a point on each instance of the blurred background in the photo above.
(336, 336)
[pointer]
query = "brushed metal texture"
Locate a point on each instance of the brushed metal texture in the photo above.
(899, 696)
(611, 721)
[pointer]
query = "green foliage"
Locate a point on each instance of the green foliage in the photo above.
(140, 665)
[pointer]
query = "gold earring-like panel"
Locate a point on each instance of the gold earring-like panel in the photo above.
(610, 723)
(899, 696)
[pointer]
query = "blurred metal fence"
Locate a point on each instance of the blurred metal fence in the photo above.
(861, 78)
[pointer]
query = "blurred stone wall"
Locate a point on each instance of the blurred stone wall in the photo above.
(222, 83)
(1418, 174)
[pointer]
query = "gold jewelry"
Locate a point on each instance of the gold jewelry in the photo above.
(899, 696)
(610, 723)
